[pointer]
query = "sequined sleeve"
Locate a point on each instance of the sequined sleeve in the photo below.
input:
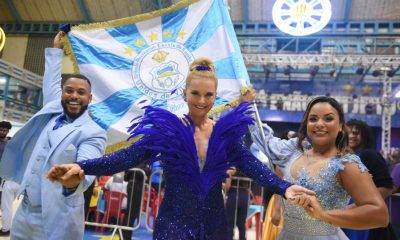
(260, 173)
(349, 158)
(279, 151)
(119, 161)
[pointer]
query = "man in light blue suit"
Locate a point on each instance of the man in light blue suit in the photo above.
(61, 132)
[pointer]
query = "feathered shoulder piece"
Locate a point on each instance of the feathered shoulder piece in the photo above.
(233, 126)
(162, 132)
(170, 139)
(226, 136)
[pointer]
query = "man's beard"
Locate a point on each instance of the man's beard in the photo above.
(73, 115)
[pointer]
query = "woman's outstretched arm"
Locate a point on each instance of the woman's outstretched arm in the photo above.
(69, 175)
(255, 169)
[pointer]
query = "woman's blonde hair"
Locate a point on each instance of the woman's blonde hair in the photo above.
(201, 68)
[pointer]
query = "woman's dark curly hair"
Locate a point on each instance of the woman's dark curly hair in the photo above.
(342, 138)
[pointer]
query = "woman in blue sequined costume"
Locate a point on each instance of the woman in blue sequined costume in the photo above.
(329, 169)
(195, 153)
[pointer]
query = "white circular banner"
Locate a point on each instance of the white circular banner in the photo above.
(301, 17)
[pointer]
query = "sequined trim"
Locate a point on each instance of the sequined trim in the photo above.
(297, 221)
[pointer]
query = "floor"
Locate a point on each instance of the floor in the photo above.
(140, 234)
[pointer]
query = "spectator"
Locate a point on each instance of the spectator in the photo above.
(10, 188)
(117, 184)
(361, 141)
(135, 185)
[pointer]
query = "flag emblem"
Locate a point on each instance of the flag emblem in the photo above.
(158, 71)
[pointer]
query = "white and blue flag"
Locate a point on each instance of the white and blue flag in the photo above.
(142, 60)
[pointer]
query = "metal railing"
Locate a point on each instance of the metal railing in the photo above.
(154, 197)
(121, 223)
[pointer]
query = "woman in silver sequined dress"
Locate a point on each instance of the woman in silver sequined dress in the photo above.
(332, 171)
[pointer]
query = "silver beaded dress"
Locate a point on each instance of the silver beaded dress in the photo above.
(298, 225)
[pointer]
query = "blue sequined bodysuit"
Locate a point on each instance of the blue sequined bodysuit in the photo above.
(193, 206)
(297, 223)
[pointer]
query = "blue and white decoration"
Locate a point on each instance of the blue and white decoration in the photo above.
(301, 17)
(133, 63)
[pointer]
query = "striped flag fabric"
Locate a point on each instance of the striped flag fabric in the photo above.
(141, 60)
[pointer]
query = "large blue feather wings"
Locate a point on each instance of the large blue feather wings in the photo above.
(171, 140)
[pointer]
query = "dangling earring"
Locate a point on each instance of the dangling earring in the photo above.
(184, 98)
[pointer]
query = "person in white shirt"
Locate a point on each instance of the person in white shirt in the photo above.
(116, 183)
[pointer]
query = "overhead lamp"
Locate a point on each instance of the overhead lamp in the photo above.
(360, 70)
(3, 80)
(377, 73)
(392, 71)
(396, 92)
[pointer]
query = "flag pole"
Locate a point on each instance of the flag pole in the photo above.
(261, 134)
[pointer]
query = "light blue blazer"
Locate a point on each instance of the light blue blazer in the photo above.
(63, 217)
